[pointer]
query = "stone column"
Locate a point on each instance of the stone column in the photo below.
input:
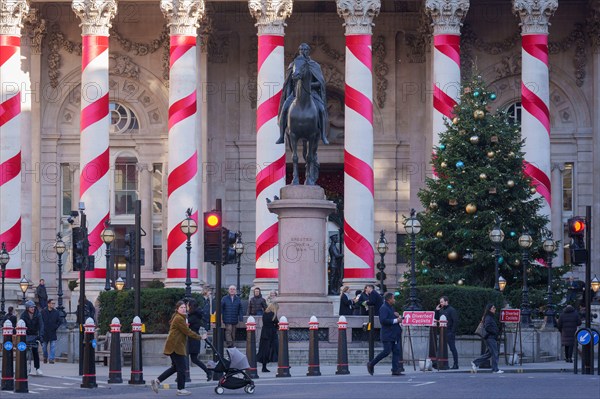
(557, 204)
(593, 26)
(12, 13)
(183, 185)
(145, 190)
(270, 18)
(359, 224)
(74, 170)
(96, 16)
(447, 16)
(535, 93)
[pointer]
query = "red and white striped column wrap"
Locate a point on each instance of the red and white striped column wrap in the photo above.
(447, 16)
(11, 22)
(94, 154)
(359, 262)
(183, 181)
(535, 94)
(270, 157)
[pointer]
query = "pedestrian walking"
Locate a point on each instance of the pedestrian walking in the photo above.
(391, 335)
(51, 319)
(444, 309)
(195, 321)
(269, 344)
(231, 308)
(568, 322)
(41, 294)
(257, 304)
(490, 338)
(35, 330)
(345, 302)
(10, 315)
(272, 297)
(176, 350)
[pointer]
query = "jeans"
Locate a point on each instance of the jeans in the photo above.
(177, 365)
(395, 347)
(451, 339)
(490, 353)
(52, 345)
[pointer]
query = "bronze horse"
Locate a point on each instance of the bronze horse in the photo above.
(304, 122)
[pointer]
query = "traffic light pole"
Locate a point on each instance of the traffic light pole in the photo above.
(218, 333)
(588, 350)
(82, 269)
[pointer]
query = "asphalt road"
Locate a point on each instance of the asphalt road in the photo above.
(426, 386)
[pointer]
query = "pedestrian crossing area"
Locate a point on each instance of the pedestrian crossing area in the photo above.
(51, 387)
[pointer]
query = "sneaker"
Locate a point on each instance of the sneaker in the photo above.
(499, 372)
(38, 372)
(370, 368)
(474, 366)
(45, 360)
(183, 392)
(154, 384)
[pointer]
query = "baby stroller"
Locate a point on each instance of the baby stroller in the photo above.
(233, 369)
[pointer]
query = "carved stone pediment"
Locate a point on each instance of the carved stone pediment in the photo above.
(122, 65)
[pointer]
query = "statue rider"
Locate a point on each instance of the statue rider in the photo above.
(317, 92)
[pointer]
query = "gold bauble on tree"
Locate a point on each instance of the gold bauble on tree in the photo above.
(517, 262)
(456, 120)
(478, 114)
(443, 164)
(474, 139)
(471, 208)
(510, 183)
(433, 205)
(491, 154)
(482, 176)
(533, 190)
(452, 256)
(439, 234)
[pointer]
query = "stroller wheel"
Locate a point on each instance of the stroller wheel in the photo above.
(219, 390)
(249, 389)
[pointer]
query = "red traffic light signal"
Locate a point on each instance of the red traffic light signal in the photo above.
(576, 227)
(212, 220)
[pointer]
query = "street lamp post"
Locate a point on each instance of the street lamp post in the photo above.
(497, 236)
(501, 283)
(60, 248)
(4, 259)
(239, 250)
(119, 284)
(413, 227)
(108, 236)
(188, 227)
(382, 247)
(549, 246)
(525, 242)
(24, 285)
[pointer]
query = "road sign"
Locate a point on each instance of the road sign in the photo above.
(8, 345)
(21, 346)
(510, 315)
(596, 337)
(415, 318)
(584, 337)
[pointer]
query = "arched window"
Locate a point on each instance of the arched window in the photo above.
(122, 119)
(126, 185)
(514, 111)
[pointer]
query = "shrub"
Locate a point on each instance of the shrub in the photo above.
(156, 307)
(468, 301)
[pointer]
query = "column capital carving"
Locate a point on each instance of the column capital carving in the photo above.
(358, 15)
(95, 15)
(143, 167)
(270, 15)
(534, 15)
(593, 25)
(183, 16)
(12, 13)
(560, 166)
(36, 30)
(73, 166)
(447, 15)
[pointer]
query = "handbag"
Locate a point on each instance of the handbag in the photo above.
(480, 330)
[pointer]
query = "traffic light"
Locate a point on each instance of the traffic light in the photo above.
(212, 237)
(130, 248)
(228, 239)
(77, 241)
(577, 231)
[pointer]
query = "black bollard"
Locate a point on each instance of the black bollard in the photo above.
(442, 354)
(8, 371)
(21, 384)
(283, 364)
(342, 353)
(314, 368)
(432, 352)
(88, 380)
(137, 372)
(115, 375)
(251, 346)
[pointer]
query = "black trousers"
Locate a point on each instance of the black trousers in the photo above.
(569, 352)
(177, 365)
(194, 358)
(451, 339)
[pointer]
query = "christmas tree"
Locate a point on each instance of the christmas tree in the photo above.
(479, 182)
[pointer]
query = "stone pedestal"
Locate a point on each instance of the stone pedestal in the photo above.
(302, 213)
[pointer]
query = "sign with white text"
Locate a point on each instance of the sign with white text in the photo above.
(418, 318)
(510, 315)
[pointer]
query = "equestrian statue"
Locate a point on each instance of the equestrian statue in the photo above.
(303, 112)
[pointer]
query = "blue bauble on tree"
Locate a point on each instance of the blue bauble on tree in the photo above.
(460, 164)
(442, 147)
(500, 260)
(493, 96)
(476, 94)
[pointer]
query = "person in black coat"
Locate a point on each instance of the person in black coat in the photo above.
(391, 335)
(35, 330)
(51, 319)
(444, 309)
(374, 299)
(359, 309)
(568, 322)
(195, 321)
(269, 344)
(491, 340)
(345, 303)
(10, 315)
